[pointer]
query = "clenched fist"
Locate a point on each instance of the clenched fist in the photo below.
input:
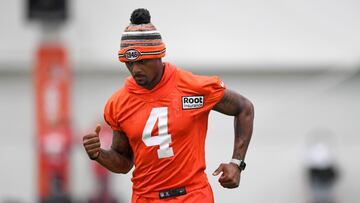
(230, 177)
(91, 143)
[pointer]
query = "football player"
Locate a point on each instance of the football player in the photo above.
(159, 120)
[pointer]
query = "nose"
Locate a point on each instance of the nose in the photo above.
(136, 68)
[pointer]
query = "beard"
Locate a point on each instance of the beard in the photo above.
(141, 80)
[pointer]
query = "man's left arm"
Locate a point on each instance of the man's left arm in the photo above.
(234, 104)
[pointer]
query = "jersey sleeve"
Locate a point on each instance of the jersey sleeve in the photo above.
(110, 115)
(212, 88)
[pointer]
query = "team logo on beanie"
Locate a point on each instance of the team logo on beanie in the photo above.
(132, 54)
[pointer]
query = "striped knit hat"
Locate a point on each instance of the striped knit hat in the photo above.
(140, 39)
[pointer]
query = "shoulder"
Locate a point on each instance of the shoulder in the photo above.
(114, 107)
(120, 93)
(117, 100)
(188, 81)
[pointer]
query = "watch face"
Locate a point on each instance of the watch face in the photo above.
(242, 165)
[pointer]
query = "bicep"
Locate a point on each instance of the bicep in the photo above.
(121, 145)
(231, 103)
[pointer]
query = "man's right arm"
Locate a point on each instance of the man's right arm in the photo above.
(119, 159)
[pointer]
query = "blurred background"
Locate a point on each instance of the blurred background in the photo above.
(298, 61)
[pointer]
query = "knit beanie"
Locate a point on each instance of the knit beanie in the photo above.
(140, 39)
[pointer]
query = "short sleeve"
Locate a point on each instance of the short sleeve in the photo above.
(213, 89)
(210, 87)
(110, 115)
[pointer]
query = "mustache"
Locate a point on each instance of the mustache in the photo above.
(139, 75)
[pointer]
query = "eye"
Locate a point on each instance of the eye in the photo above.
(129, 64)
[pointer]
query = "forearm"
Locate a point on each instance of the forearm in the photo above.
(243, 127)
(114, 161)
(242, 109)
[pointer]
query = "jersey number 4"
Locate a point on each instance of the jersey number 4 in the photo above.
(163, 139)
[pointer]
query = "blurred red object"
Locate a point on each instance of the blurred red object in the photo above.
(52, 80)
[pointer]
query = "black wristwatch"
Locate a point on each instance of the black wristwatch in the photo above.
(240, 163)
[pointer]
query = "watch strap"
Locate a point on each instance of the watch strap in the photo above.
(240, 163)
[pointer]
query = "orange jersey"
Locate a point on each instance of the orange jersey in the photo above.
(166, 128)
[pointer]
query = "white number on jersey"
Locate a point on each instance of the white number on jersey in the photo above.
(163, 139)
